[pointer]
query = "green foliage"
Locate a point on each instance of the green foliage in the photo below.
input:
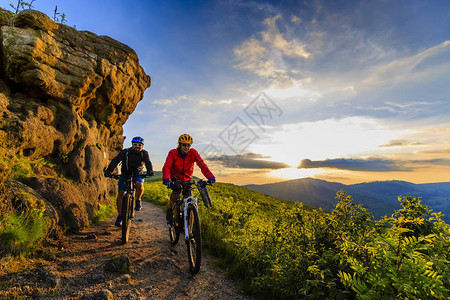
(157, 193)
(59, 17)
(22, 167)
(20, 6)
(104, 211)
(408, 257)
(286, 250)
(23, 5)
(21, 233)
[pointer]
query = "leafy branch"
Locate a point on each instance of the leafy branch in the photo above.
(59, 17)
(21, 6)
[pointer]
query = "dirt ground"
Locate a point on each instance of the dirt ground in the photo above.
(158, 270)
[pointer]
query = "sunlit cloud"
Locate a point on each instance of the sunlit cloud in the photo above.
(276, 40)
(248, 161)
(401, 143)
(353, 164)
(295, 19)
(324, 139)
(437, 151)
(265, 56)
(431, 60)
(372, 164)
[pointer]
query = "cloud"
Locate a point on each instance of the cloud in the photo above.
(266, 56)
(276, 40)
(431, 60)
(368, 164)
(248, 161)
(372, 164)
(164, 102)
(400, 143)
(440, 151)
(295, 19)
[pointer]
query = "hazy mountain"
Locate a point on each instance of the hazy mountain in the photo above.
(380, 197)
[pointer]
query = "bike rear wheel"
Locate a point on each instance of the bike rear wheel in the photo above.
(127, 212)
(175, 227)
(194, 242)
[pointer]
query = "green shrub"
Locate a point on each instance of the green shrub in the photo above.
(22, 233)
(407, 258)
(22, 167)
(286, 250)
(156, 193)
(104, 211)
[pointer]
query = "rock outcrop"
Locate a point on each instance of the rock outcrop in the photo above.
(64, 96)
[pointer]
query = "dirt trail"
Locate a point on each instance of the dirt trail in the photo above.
(158, 269)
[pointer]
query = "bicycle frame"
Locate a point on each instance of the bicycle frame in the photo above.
(188, 217)
(128, 203)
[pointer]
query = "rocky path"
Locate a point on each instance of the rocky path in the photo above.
(84, 268)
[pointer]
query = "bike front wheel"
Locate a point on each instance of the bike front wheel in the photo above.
(194, 241)
(127, 212)
(175, 227)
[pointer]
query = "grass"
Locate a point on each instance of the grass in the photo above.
(22, 233)
(104, 211)
(156, 193)
(23, 167)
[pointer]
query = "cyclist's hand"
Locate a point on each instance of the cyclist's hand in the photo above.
(151, 173)
(211, 180)
(166, 182)
(108, 174)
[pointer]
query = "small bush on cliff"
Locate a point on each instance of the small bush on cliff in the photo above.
(22, 167)
(20, 6)
(22, 233)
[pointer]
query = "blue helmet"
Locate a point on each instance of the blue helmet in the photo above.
(137, 139)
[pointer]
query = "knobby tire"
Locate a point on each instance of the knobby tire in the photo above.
(127, 211)
(175, 228)
(194, 243)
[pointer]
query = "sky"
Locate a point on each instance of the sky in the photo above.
(344, 91)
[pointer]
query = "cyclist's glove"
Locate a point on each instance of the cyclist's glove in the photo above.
(151, 173)
(211, 180)
(166, 182)
(108, 174)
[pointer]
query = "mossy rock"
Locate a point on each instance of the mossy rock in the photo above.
(120, 264)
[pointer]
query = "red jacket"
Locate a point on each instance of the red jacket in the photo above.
(182, 168)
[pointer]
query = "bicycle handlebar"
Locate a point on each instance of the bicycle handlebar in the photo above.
(200, 182)
(143, 175)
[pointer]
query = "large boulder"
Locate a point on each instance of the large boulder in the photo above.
(64, 96)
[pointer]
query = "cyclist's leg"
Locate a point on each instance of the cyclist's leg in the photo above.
(139, 190)
(139, 187)
(173, 199)
(119, 202)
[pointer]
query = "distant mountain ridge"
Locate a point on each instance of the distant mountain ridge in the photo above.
(380, 197)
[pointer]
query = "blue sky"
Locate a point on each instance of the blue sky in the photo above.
(346, 91)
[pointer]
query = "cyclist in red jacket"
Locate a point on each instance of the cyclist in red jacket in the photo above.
(180, 165)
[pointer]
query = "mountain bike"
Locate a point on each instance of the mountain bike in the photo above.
(185, 217)
(128, 203)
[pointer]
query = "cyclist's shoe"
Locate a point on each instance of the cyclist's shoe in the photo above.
(169, 215)
(138, 205)
(118, 221)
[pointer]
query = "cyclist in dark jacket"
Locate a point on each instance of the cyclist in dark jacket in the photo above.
(133, 160)
(180, 165)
